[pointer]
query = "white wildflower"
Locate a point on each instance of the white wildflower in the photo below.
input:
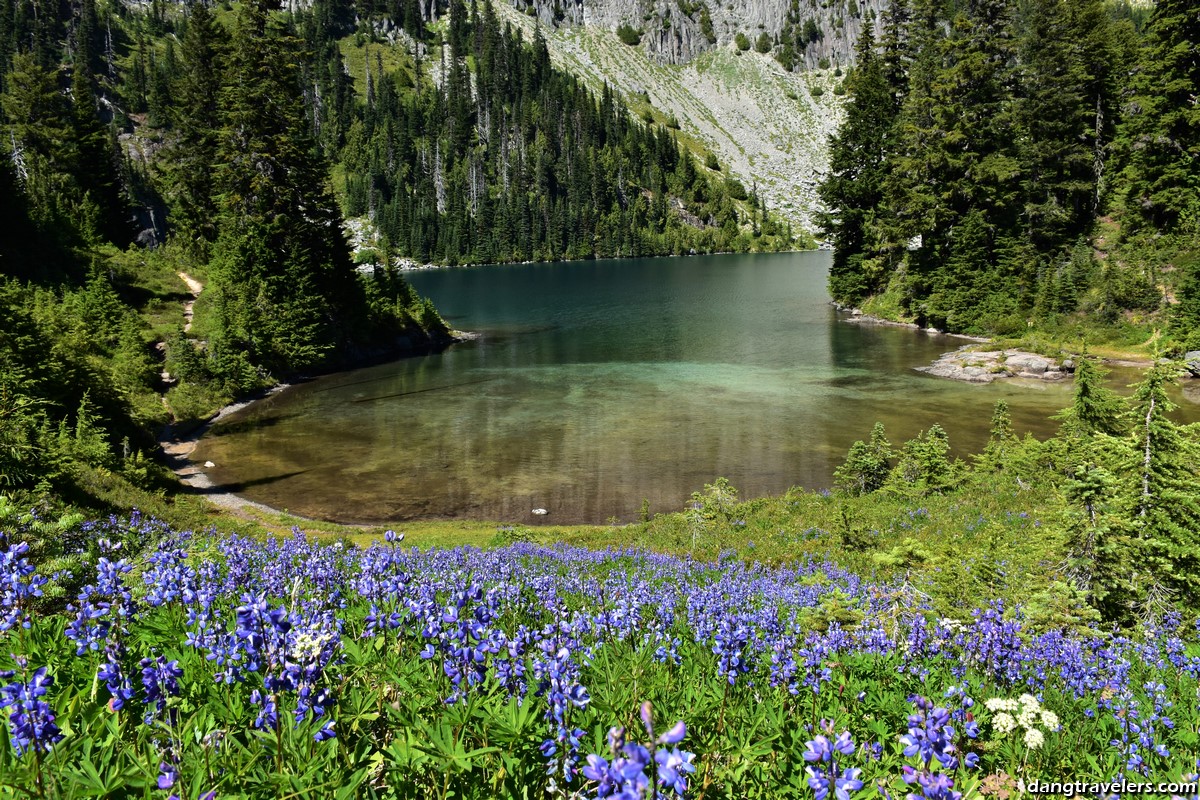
(306, 647)
(1050, 720)
(1028, 718)
(1034, 739)
(1030, 702)
(1004, 723)
(996, 704)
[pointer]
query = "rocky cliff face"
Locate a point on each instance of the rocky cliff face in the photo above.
(676, 31)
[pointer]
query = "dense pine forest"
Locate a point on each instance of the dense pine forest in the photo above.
(1006, 165)
(225, 145)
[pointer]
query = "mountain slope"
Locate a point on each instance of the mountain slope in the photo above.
(768, 127)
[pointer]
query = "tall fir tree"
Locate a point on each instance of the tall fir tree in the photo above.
(1163, 129)
(281, 272)
(853, 187)
(196, 123)
(1161, 506)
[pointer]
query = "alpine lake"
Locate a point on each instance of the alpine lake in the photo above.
(594, 386)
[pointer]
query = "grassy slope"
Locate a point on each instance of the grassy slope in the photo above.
(944, 544)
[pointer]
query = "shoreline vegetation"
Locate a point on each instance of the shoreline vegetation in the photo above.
(973, 363)
(966, 363)
(158, 163)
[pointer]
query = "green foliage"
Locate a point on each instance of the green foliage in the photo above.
(854, 186)
(811, 32)
(763, 43)
(1094, 408)
(427, 160)
(923, 465)
(712, 506)
(983, 221)
(905, 556)
(1162, 507)
(706, 24)
(629, 35)
(1163, 126)
(867, 465)
(741, 41)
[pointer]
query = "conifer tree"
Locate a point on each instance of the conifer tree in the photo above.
(195, 119)
(1097, 548)
(924, 465)
(1064, 111)
(867, 464)
(1163, 130)
(854, 186)
(281, 270)
(1163, 507)
(1094, 408)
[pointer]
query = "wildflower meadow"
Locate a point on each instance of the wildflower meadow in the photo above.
(232, 667)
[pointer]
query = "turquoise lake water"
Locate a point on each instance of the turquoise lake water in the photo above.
(596, 384)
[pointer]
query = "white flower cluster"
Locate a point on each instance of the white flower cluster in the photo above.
(306, 647)
(1026, 713)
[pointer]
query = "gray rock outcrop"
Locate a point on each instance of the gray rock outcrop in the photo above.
(985, 366)
(1191, 359)
(672, 30)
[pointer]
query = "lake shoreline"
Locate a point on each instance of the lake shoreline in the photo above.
(959, 364)
(176, 443)
(573, 403)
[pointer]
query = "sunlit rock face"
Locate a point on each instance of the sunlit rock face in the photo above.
(672, 30)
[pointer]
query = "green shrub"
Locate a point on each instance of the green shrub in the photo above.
(629, 35)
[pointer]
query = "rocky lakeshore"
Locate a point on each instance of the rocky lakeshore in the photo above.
(985, 366)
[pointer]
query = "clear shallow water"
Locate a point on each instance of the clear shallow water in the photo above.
(597, 384)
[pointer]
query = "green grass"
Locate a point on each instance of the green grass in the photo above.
(357, 51)
(942, 543)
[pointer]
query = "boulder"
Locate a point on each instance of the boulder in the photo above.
(1028, 364)
(1191, 360)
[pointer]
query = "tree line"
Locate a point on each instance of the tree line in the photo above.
(1123, 469)
(991, 149)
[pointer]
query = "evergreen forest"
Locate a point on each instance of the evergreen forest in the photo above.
(1010, 165)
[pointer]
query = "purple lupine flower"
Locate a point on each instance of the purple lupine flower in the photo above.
(31, 721)
(625, 775)
(19, 585)
(160, 681)
(168, 775)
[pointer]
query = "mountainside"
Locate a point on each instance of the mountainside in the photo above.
(676, 31)
(768, 126)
